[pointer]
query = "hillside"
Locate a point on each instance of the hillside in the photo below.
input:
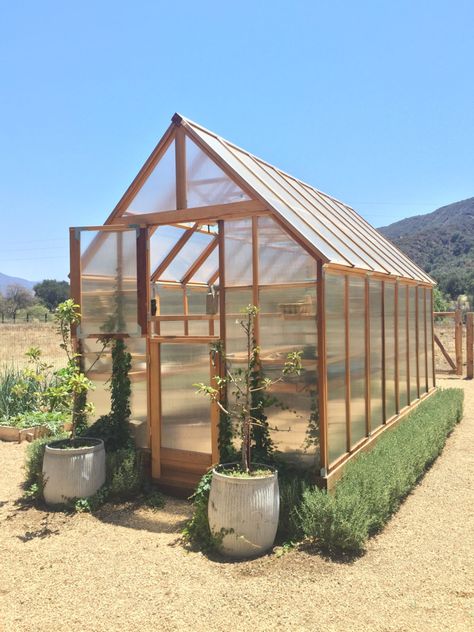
(6, 280)
(442, 243)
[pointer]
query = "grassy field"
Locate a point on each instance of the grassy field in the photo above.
(16, 339)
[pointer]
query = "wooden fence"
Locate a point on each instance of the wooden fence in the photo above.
(456, 363)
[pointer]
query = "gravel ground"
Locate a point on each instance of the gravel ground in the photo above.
(126, 570)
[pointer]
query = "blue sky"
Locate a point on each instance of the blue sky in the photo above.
(372, 102)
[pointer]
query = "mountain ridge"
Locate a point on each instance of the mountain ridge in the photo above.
(6, 280)
(441, 243)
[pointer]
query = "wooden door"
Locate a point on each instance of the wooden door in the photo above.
(183, 422)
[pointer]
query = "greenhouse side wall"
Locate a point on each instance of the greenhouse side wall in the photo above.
(379, 348)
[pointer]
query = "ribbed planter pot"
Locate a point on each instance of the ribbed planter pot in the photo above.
(74, 472)
(245, 511)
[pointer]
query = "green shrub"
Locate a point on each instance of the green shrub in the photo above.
(292, 489)
(124, 475)
(374, 484)
(34, 461)
(197, 531)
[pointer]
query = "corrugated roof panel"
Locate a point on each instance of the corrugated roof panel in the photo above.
(262, 190)
(335, 230)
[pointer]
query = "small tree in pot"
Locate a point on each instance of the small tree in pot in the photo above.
(244, 498)
(73, 467)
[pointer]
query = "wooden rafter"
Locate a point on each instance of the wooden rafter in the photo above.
(214, 277)
(179, 245)
(198, 213)
(199, 261)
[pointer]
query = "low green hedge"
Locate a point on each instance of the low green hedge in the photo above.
(376, 482)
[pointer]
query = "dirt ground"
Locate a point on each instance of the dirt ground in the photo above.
(126, 570)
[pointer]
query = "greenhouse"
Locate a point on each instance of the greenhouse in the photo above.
(206, 229)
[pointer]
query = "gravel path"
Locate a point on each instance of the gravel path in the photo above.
(124, 570)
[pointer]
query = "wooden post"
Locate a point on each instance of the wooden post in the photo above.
(470, 345)
(397, 372)
(143, 281)
(367, 360)
(255, 277)
(458, 340)
(155, 409)
(348, 364)
(75, 270)
(322, 373)
(384, 358)
(180, 158)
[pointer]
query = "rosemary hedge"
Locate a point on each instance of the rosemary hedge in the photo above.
(375, 484)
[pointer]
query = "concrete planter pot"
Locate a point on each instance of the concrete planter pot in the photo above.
(245, 511)
(74, 472)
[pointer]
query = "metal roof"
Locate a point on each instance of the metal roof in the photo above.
(335, 229)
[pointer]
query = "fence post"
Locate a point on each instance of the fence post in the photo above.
(14, 317)
(458, 340)
(46, 317)
(470, 344)
(27, 317)
(3, 318)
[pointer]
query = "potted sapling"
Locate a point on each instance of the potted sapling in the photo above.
(244, 499)
(73, 467)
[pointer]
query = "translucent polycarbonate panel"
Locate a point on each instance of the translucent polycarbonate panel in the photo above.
(429, 331)
(206, 183)
(402, 345)
(280, 258)
(170, 299)
(158, 193)
(376, 353)
(170, 302)
(278, 190)
(235, 300)
(389, 309)
(188, 254)
(421, 339)
(200, 301)
(287, 323)
(336, 364)
(356, 310)
(185, 415)
(162, 241)
(207, 269)
(100, 375)
(412, 352)
(238, 252)
(109, 282)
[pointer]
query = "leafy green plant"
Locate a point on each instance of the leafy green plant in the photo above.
(124, 473)
(52, 421)
(34, 460)
(245, 403)
(197, 531)
(114, 427)
(374, 485)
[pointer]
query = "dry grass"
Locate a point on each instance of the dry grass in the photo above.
(16, 339)
(123, 569)
(444, 329)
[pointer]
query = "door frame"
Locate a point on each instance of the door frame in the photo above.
(155, 411)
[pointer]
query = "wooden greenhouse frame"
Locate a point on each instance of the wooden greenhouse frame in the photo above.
(324, 279)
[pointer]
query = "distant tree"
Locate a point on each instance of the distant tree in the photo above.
(440, 303)
(3, 304)
(18, 297)
(52, 292)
